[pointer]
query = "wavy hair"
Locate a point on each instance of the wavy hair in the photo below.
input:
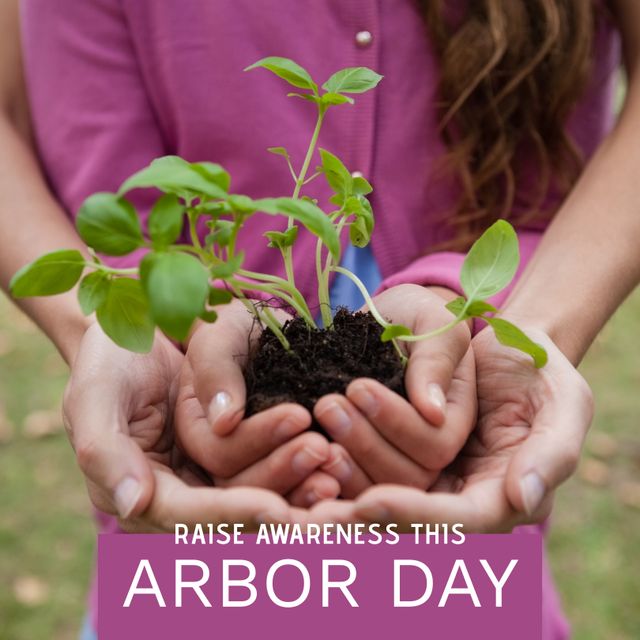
(511, 71)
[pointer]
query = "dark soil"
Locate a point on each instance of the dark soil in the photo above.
(321, 361)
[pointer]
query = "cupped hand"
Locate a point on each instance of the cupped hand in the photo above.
(118, 409)
(381, 437)
(271, 449)
(531, 427)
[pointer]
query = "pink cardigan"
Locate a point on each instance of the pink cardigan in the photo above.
(115, 83)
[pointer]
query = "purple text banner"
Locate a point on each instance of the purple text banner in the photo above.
(152, 588)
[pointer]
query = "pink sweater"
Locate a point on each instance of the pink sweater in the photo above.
(115, 83)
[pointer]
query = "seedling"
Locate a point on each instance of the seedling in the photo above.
(178, 282)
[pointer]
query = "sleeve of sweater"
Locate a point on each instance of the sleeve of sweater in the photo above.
(443, 269)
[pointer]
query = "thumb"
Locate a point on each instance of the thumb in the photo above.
(118, 474)
(552, 451)
(430, 370)
(215, 356)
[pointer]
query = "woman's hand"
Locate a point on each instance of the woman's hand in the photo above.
(532, 423)
(381, 437)
(118, 409)
(271, 449)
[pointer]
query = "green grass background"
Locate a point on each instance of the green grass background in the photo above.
(47, 538)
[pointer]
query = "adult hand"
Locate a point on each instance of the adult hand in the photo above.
(271, 449)
(531, 426)
(118, 409)
(381, 437)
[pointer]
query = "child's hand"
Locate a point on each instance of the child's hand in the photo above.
(381, 437)
(117, 411)
(271, 449)
(531, 426)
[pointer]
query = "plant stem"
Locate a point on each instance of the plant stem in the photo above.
(365, 294)
(99, 266)
(323, 288)
(287, 253)
(432, 334)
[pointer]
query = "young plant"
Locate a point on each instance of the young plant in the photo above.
(178, 282)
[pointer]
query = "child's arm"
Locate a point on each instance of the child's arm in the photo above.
(588, 260)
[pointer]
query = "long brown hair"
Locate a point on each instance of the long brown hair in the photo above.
(511, 71)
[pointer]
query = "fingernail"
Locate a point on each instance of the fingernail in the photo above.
(306, 460)
(126, 496)
(335, 420)
(220, 403)
(311, 498)
(340, 469)
(533, 490)
(286, 428)
(364, 400)
(373, 512)
(436, 396)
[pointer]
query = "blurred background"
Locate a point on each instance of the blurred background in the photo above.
(47, 537)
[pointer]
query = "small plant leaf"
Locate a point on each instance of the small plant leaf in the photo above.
(491, 262)
(510, 336)
(305, 96)
(228, 269)
(288, 70)
(124, 316)
(336, 173)
(352, 80)
(165, 220)
(48, 275)
(222, 232)
(282, 239)
(241, 204)
(109, 224)
(177, 286)
(279, 151)
(214, 173)
(172, 174)
(359, 233)
(219, 296)
(456, 306)
(209, 316)
(93, 291)
(309, 215)
(478, 308)
(335, 98)
(361, 186)
(394, 331)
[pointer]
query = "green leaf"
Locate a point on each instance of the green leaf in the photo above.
(288, 70)
(510, 336)
(308, 214)
(108, 224)
(177, 286)
(48, 275)
(165, 220)
(335, 98)
(219, 296)
(241, 204)
(361, 228)
(208, 316)
(279, 151)
(222, 232)
(491, 262)
(227, 269)
(282, 239)
(394, 331)
(336, 173)
(93, 291)
(305, 96)
(456, 306)
(124, 316)
(214, 173)
(172, 174)
(352, 80)
(478, 308)
(361, 186)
